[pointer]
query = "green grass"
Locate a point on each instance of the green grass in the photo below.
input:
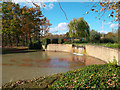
(111, 45)
(94, 76)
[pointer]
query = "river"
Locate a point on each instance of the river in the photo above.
(16, 66)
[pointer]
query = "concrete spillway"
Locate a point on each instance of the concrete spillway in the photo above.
(78, 50)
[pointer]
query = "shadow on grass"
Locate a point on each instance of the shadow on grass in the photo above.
(16, 50)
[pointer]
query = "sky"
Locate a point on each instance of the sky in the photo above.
(74, 10)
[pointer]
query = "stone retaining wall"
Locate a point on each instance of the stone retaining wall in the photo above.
(100, 52)
(59, 47)
(103, 53)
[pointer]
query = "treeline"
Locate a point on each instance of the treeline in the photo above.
(21, 26)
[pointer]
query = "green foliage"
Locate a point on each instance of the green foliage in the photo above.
(35, 45)
(80, 41)
(22, 24)
(114, 45)
(46, 41)
(30, 45)
(112, 35)
(106, 40)
(54, 41)
(68, 42)
(78, 28)
(114, 62)
(94, 76)
(94, 36)
(60, 41)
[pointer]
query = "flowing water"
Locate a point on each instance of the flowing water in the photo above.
(35, 64)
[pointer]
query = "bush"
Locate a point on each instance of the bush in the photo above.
(35, 45)
(45, 41)
(68, 42)
(54, 41)
(30, 45)
(106, 40)
(95, 36)
(61, 41)
(114, 62)
(80, 41)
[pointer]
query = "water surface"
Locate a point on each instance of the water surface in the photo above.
(35, 64)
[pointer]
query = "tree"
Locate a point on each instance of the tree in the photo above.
(78, 28)
(67, 34)
(21, 24)
(112, 35)
(113, 6)
(94, 36)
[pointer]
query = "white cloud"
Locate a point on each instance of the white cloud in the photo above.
(102, 31)
(107, 23)
(36, 1)
(61, 27)
(49, 6)
(114, 25)
(40, 3)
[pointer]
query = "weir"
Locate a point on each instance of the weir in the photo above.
(78, 50)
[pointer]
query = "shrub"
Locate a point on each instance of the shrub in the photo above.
(61, 41)
(95, 36)
(35, 45)
(68, 42)
(54, 41)
(30, 45)
(106, 40)
(114, 62)
(80, 41)
(45, 41)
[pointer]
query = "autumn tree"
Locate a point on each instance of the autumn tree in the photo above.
(106, 5)
(22, 24)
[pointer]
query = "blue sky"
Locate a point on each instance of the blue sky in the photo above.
(74, 10)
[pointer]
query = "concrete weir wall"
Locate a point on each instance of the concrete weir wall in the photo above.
(103, 53)
(59, 47)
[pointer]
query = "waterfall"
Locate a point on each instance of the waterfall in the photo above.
(78, 50)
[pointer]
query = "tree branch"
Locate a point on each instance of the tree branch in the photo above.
(62, 10)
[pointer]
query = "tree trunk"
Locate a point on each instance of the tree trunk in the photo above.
(9, 39)
(26, 40)
(23, 40)
(17, 40)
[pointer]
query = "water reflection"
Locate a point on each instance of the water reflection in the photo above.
(35, 64)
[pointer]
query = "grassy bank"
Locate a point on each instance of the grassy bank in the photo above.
(94, 76)
(111, 45)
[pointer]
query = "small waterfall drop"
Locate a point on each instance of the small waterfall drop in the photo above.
(78, 50)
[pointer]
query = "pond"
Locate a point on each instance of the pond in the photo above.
(41, 63)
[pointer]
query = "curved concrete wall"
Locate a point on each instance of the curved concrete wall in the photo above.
(103, 53)
(59, 47)
(100, 52)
